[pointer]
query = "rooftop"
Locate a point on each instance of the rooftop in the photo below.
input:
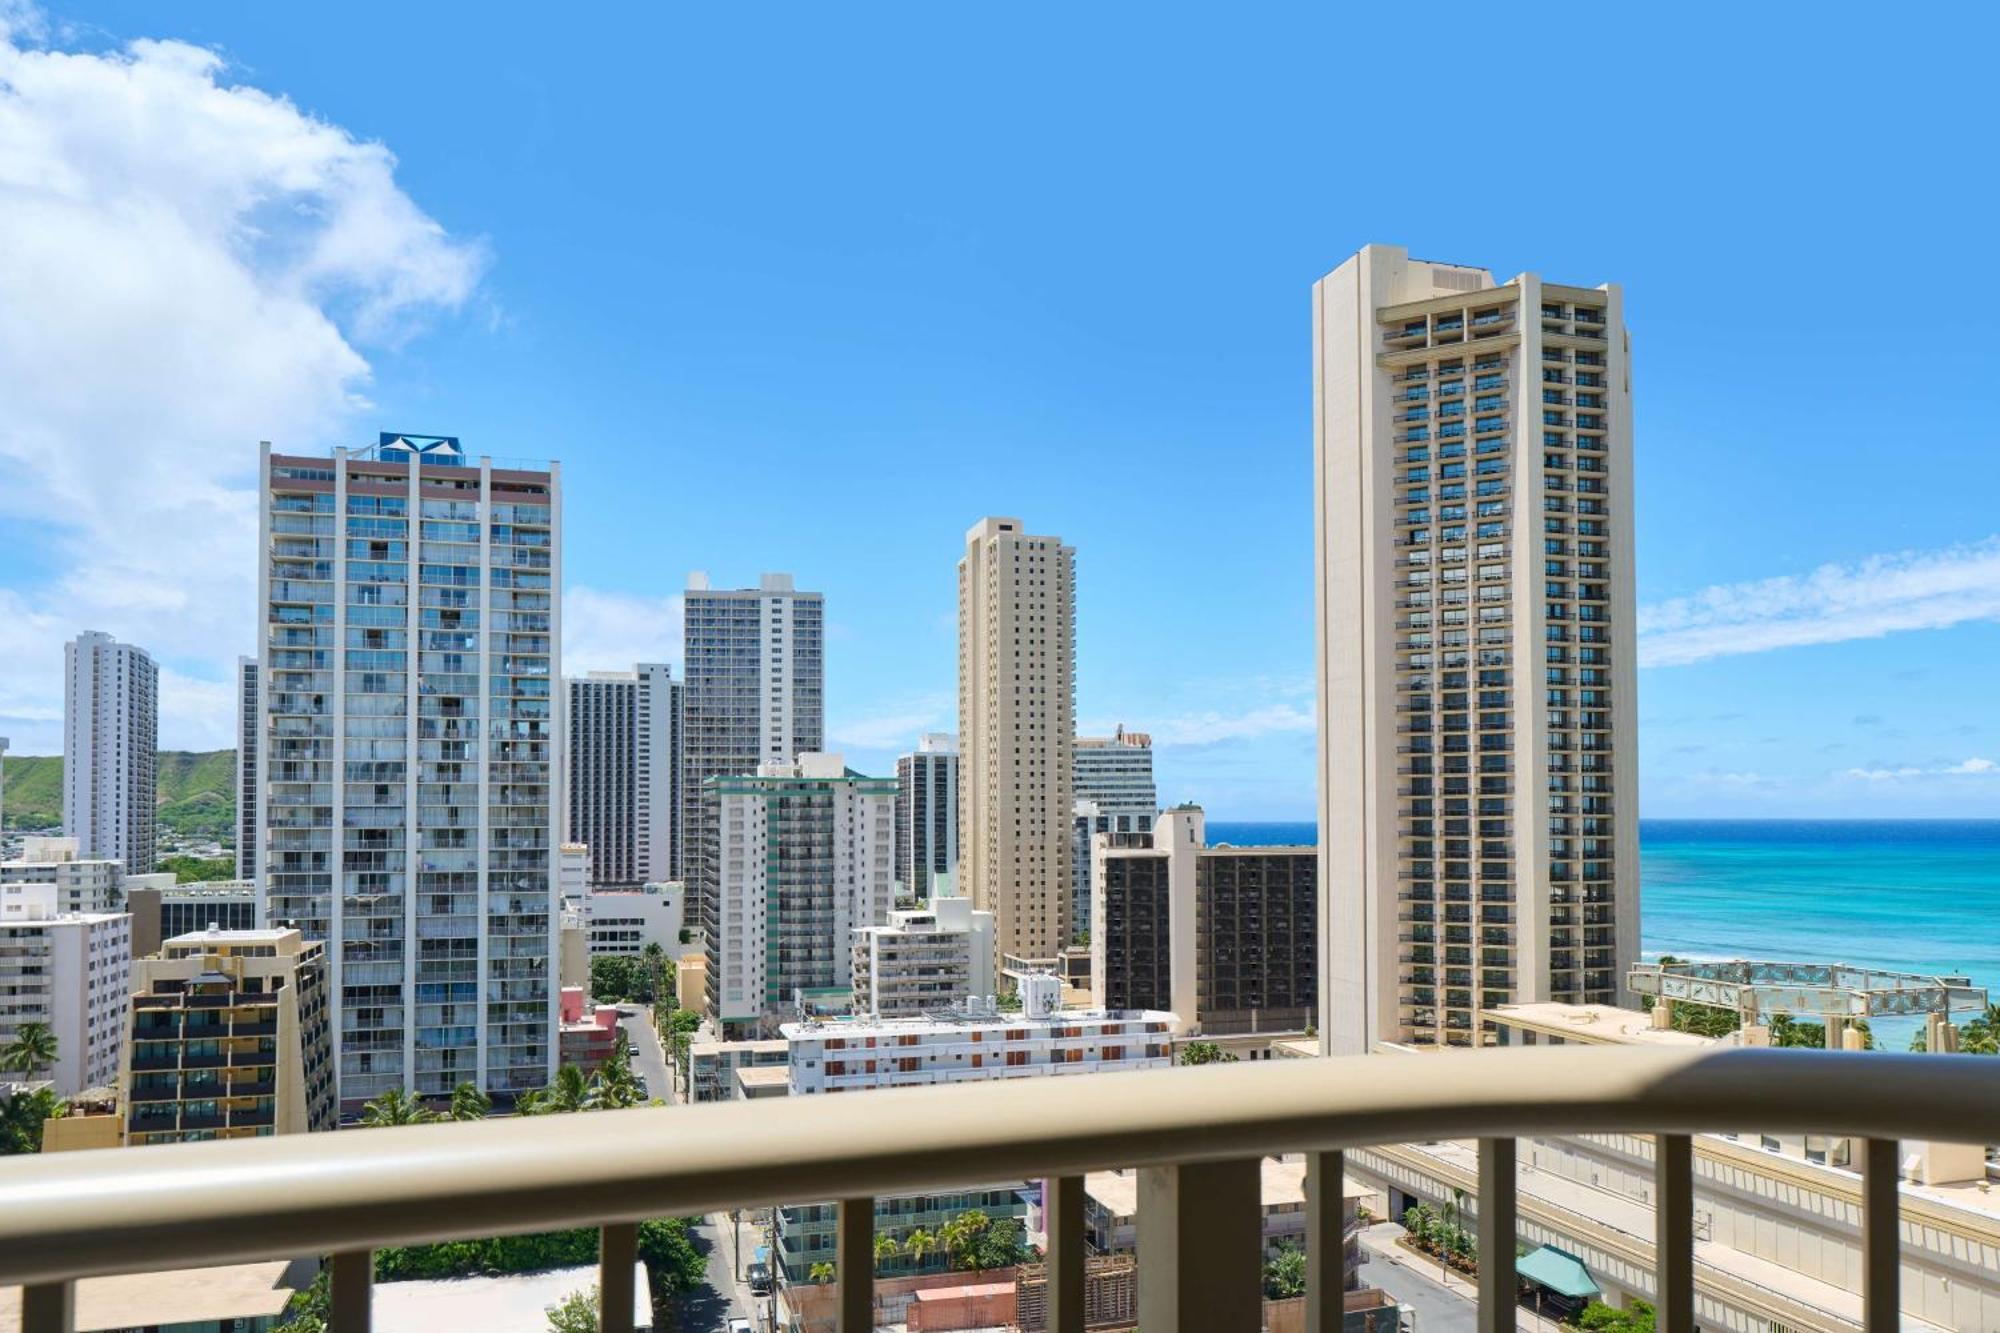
(953, 1020)
(1283, 1186)
(509, 1303)
(188, 1296)
(1598, 1024)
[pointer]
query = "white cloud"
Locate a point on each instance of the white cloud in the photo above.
(897, 726)
(1884, 594)
(185, 268)
(1212, 727)
(611, 631)
(1974, 767)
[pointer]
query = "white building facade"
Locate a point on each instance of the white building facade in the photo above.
(1478, 796)
(111, 741)
(623, 733)
(408, 757)
(927, 814)
(71, 971)
(247, 712)
(801, 856)
(935, 958)
(83, 884)
(755, 664)
(849, 1055)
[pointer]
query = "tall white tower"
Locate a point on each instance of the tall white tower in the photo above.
(111, 740)
(409, 757)
(1478, 776)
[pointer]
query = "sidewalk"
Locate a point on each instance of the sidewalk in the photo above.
(1379, 1241)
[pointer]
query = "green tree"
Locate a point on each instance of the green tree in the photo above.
(1205, 1053)
(468, 1102)
(22, 1117)
(310, 1310)
(395, 1107)
(33, 1050)
(820, 1273)
(199, 869)
(577, 1313)
(886, 1249)
(616, 977)
(1597, 1317)
(616, 1085)
(572, 1091)
(655, 959)
(920, 1243)
(1285, 1272)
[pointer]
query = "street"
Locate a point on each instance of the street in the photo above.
(648, 1060)
(1450, 1306)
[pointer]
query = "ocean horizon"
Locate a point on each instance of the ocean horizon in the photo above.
(1906, 895)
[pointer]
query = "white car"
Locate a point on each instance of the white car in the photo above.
(740, 1325)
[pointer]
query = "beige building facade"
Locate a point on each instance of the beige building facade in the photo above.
(1017, 727)
(1473, 514)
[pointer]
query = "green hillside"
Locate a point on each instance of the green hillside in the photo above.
(197, 791)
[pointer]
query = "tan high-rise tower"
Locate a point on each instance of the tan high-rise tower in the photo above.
(1016, 728)
(1478, 766)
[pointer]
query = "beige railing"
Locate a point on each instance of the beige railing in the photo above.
(1199, 1134)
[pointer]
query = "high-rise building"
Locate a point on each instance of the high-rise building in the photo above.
(111, 741)
(70, 971)
(935, 958)
(1224, 936)
(1113, 792)
(231, 1039)
(247, 711)
(755, 694)
(163, 912)
(408, 756)
(1473, 504)
(1016, 723)
(927, 814)
(624, 731)
(800, 855)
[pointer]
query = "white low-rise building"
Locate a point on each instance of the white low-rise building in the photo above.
(71, 971)
(83, 884)
(625, 921)
(939, 957)
(847, 1055)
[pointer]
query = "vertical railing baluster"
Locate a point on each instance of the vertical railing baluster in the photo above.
(1498, 1285)
(1881, 1237)
(854, 1264)
(48, 1307)
(1326, 1241)
(1673, 1233)
(351, 1288)
(617, 1253)
(1201, 1247)
(1062, 1210)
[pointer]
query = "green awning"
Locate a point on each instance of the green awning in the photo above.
(1559, 1271)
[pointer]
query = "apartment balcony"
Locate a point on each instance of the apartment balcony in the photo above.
(1201, 1134)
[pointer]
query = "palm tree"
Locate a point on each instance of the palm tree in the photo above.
(960, 1234)
(820, 1273)
(886, 1249)
(22, 1117)
(468, 1102)
(33, 1049)
(572, 1091)
(396, 1107)
(616, 1084)
(918, 1244)
(655, 959)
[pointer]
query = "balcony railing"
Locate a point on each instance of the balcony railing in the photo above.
(1198, 1134)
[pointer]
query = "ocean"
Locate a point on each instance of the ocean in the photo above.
(1919, 895)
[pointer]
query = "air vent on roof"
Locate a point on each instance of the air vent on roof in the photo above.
(1456, 279)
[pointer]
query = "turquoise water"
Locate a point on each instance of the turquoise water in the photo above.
(1910, 895)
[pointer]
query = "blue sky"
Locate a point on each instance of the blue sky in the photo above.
(814, 288)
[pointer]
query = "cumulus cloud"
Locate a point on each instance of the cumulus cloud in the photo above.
(896, 727)
(1884, 594)
(1973, 767)
(611, 631)
(187, 266)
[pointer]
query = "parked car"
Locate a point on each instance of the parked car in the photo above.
(759, 1277)
(740, 1325)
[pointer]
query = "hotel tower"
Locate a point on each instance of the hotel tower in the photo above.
(1478, 794)
(1016, 732)
(408, 757)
